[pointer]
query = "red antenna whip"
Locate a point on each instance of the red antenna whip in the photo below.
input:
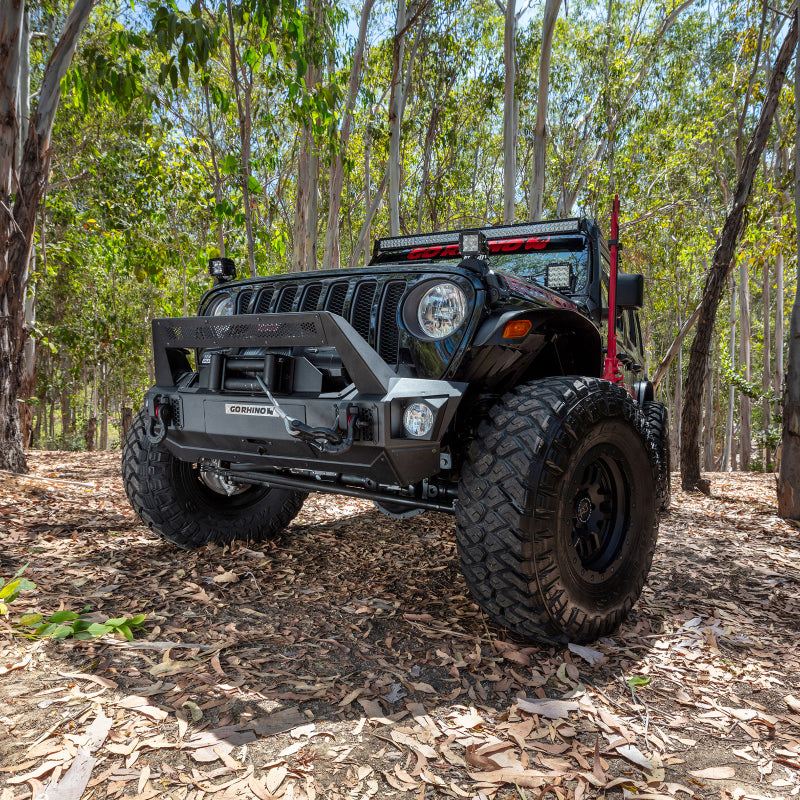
(612, 370)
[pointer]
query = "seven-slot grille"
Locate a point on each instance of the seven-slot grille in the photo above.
(369, 305)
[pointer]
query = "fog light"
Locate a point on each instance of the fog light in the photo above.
(418, 419)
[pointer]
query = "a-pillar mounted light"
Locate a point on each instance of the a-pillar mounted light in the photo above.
(221, 269)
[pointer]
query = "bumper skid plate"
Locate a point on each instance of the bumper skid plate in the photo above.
(263, 428)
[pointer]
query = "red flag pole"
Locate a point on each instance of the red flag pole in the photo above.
(612, 369)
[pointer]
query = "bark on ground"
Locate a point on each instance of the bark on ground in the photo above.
(347, 660)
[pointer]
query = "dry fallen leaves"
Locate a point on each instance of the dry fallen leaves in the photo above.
(348, 660)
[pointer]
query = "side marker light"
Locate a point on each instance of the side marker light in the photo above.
(517, 328)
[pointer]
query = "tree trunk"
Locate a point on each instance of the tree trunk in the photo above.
(779, 323)
(766, 372)
(536, 199)
(509, 128)
(91, 432)
(212, 146)
(300, 249)
(718, 273)
(709, 443)
(789, 476)
(104, 412)
(17, 228)
(243, 96)
(396, 117)
(361, 242)
(330, 254)
(677, 402)
(728, 451)
(745, 403)
(675, 348)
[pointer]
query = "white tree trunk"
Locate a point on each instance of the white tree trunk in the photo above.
(330, 255)
(766, 370)
(536, 198)
(396, 104)
(728, 451)
(363, 235)
(509, 128)
(11, 16)
(779, 323)
(243, 97)
(745, 430)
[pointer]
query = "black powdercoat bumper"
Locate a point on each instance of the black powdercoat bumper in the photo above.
(243, 428)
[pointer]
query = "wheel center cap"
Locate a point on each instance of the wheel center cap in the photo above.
(584, 509)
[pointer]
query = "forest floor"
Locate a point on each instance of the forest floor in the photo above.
(347, 660)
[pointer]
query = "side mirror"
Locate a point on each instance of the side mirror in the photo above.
(630, 291)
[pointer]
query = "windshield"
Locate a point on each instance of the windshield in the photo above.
(558, 262)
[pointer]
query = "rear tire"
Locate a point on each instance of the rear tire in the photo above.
(174, 502)
(556, 516)
(657, 418)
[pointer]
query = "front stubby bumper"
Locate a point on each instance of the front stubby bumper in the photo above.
(233, 420)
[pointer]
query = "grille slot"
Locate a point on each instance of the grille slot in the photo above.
(264, 301)
(286, 299)
(243, 301)
(388, 332)
(336, 297)
(369, 303)
(361, 307)
(311, 297)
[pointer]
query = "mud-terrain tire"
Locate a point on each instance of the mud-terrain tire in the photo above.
(657, 418)
(556, 515)
(172, 500)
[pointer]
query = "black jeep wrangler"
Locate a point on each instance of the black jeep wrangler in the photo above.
(459, 372)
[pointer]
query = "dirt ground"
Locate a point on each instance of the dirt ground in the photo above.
(347, 660)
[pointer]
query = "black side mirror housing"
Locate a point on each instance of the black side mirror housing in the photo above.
(630, 291)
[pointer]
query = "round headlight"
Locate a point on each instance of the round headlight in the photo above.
(221, 306)
(418, 419)
(442, 310)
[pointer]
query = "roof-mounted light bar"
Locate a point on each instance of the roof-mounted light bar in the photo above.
(491, 233)
(422, 240)
(534, 229)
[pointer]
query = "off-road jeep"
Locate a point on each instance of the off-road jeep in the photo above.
(461, 372)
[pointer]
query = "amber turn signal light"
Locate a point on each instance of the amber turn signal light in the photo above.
(516, 328)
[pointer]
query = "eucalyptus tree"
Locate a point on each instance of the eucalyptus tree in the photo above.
(789, 477)
(20, 191)
(721, 265)
(536, 191)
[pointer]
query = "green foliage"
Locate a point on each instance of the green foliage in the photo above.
(638, 682)
(69, 624)
(62, 624)
(10, 591)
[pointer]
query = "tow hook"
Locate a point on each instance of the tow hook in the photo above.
(159, 422)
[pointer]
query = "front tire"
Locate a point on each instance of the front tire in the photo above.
(556, 517)
(173, 500)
